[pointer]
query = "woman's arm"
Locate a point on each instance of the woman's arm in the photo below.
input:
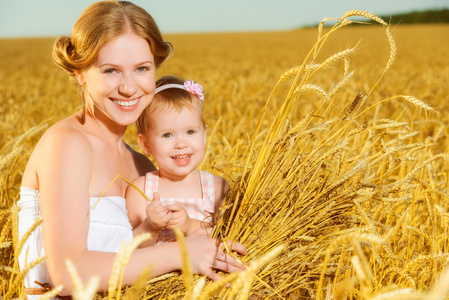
(64, 165)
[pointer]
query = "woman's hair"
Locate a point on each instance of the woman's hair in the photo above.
(100, 23)
(171, 98)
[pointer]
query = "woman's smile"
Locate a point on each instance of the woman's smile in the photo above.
(127, 105)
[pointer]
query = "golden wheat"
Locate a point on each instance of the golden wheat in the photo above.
(356, 191)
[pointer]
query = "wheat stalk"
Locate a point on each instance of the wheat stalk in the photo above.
(186, 264)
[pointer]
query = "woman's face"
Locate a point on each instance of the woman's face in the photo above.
(122, 80)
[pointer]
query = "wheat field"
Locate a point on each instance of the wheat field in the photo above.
(334, 142)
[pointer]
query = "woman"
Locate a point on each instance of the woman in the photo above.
(112, 54)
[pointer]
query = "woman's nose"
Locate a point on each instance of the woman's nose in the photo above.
(128, 85)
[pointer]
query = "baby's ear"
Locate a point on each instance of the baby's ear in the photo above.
(144, 143)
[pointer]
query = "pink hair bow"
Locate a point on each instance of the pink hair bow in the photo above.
(194, 88)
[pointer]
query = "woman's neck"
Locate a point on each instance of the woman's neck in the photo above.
(104, 127)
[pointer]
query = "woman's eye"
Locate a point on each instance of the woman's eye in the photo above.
(167, 135)
(142, 69)
(191, 131)
(110, 71)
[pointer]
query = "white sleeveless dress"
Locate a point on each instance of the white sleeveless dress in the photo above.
(109, 226)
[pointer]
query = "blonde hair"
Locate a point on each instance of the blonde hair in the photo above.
(101, 23)
(171, 98)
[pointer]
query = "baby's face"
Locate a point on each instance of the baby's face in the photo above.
(177, 140)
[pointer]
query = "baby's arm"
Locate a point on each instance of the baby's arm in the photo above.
(138, 206)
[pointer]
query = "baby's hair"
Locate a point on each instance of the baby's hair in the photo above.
(171, 98)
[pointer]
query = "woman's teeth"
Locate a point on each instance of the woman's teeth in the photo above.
(126, 103)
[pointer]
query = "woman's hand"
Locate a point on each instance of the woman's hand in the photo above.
(206, 254)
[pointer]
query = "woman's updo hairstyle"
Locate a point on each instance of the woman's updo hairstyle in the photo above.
(100, 23)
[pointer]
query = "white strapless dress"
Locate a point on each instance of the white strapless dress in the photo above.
(109, 226)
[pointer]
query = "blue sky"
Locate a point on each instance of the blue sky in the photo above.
(41, 18)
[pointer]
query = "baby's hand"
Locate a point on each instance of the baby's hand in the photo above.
(179, 219)
(157, 214)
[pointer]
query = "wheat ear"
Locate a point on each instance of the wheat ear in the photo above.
(81, 292)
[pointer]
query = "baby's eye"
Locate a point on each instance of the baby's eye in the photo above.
(191, 131)
(167, 135)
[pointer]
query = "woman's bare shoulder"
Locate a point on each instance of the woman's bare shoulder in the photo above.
(65, 133)
(63, 141)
